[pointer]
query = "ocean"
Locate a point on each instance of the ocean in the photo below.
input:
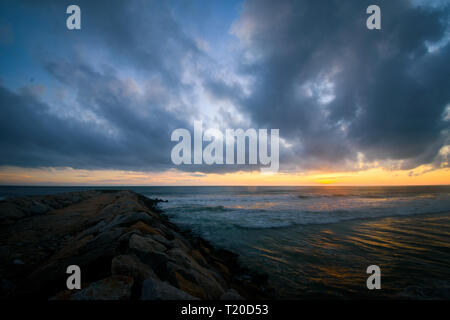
(317, 242)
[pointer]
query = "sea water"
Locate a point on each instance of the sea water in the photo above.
(316, 242)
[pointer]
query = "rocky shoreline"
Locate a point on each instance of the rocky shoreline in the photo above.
(124, 245)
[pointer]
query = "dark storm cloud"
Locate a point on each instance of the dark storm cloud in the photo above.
(140, 33)
(34, 136)
(335, 88)
(117, 127)
(331, 86)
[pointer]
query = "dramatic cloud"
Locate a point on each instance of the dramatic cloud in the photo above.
(338, 89)
(108, 96)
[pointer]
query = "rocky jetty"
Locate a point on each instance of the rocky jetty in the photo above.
(125, 247)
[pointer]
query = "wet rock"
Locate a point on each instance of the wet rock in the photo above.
(113, 288)
(153, 289)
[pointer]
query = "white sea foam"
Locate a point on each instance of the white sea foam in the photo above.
(280, 208)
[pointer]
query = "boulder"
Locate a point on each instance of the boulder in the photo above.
(145, 228)
(149, 252)
(153, 289)
(113, 288)
(128, 219)
(193, 274)
(130, 265)
(162, 240)
(177, 243)
(143, 244)
(231, 294)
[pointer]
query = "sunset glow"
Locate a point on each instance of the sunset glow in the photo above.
(68, 176)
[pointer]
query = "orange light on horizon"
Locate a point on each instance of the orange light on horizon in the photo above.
(421, 175)
(327, 181)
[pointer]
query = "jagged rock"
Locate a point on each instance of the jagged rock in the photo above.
(231, 294)
(130, 265)
(113, 288)
(153, 289)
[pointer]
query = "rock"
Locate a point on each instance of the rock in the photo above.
(92, 230)
(10, 212)
(113, 288)
(177, 243)
(145, 229)
(150, 252)
(188, 262)
(231, 294)
(143, 244)
(199, 258)
(153, 289)
(194, 274)
(181, 258)
(130, 265)
(188, 286)
(162, 240)
(118, 236)
(38, 208)
(127, 219)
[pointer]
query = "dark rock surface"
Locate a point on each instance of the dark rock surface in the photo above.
(126, 249)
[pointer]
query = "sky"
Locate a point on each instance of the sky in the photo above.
(97, 106)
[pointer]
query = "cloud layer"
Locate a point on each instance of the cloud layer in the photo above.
(344, 97)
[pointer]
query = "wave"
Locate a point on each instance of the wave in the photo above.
(197, 208)
(269, 219)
